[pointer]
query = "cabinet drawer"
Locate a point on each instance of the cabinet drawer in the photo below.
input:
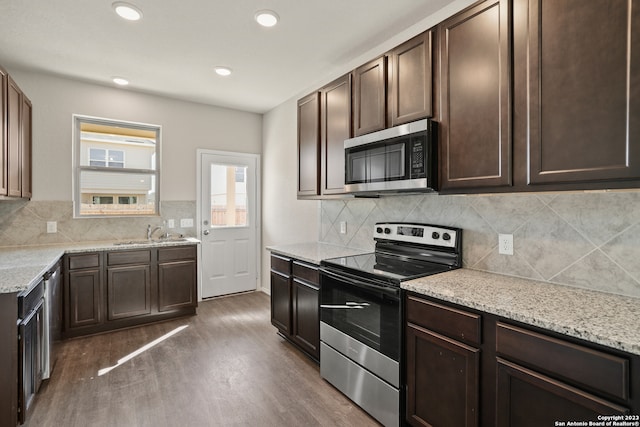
(177, 253)
(281, 264)
(84, 261)
(454, 323)
(30, 301)
(571, 362)
(129, 257)
(306, 272)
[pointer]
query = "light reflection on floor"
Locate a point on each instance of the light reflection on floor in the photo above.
(141, 350)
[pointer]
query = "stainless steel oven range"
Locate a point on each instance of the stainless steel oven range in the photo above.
(361, 311)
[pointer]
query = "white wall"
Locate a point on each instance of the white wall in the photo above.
(185, 128)
(284, 218)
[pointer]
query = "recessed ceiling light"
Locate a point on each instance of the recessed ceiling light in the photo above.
(120, 81)
(127, 11)
(267, 18)
(223, 71)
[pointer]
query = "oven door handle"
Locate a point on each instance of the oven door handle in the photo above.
(360, 283)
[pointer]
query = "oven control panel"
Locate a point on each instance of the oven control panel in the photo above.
(424, 234)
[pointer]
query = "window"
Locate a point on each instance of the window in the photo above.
(106, 158)
(116, 168)
(102, 200)
(128, 200)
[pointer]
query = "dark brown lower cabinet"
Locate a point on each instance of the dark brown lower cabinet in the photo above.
(82, 298)
(117, 289)
(306, 308)
(443, 373)
(295, 303)
(175, 285)
(281, 294)
(128, 291)
(527, 398)
(444, 391)
(467, 368)
(9, 359)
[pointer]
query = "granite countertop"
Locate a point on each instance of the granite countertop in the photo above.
(314, 252)
(606, 319)
(22, 266)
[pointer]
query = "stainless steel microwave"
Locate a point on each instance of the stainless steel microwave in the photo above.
(397, 159)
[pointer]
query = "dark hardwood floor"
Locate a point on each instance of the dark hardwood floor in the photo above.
(228, 367)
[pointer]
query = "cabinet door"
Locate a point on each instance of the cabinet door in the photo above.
(476, 109)
(82, 298)
(335, 118)
(281, 302)
(177, 284)
(529, 399)
(306, 317)
(370, 97)
(3, 132)
(442, 380)
(25, 146)
(14, 109)
(410, 80)
(128, 291)
(583, 89)
(309, 145)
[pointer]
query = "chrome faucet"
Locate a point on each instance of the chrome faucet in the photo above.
(150, 231)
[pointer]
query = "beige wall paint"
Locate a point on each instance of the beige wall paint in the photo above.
(185, 127)
(284, 218)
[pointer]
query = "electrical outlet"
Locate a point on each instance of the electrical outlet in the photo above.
(186, 222)
(171, 223)
(52, 227)
(505, 244)
(343, 227)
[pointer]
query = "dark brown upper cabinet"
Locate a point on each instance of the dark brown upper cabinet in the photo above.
(25, 145)
(577, 77)
(14, 132)
(370, 97)
(476, 110)
(356, 104)
(3, 132)
(335, 119)
(15, 110)
(309, 145)
(410, 79)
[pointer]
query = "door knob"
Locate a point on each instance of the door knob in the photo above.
(205, 232)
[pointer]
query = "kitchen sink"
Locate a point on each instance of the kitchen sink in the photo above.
(151, 242)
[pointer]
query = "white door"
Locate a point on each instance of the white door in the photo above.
(228, 222)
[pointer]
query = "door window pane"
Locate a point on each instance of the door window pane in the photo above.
(228, 196)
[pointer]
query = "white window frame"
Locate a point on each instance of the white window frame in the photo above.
(78, 168)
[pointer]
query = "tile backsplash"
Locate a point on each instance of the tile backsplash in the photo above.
(25, 223)
(587, 240)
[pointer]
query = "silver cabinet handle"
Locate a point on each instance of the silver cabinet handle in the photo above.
(205, 232)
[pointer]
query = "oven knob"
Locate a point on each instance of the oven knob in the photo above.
(379, 230)
(446, 236)
(435, 235)
(387, 231)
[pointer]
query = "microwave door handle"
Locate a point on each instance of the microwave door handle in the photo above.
(344, 277)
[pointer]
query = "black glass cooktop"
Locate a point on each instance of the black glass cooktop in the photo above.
(392, 268)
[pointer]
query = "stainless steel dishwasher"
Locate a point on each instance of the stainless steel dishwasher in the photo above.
(52, 318)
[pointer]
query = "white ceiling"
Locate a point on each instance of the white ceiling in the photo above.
(172, 51)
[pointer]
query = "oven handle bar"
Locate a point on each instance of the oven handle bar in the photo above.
(366, 284)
